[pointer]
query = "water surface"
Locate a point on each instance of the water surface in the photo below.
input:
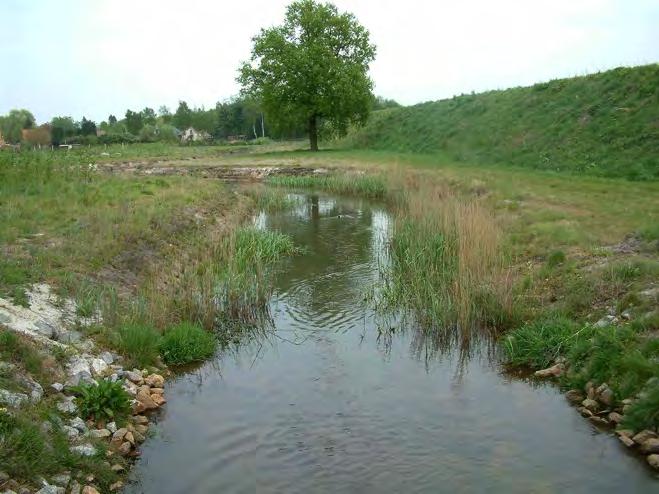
(325, 403)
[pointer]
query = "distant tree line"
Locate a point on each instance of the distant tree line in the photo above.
(240, 116)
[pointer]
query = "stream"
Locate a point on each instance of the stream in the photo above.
(323, 402)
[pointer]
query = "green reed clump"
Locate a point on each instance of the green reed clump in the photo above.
(644, 413)
(243, 282)
(186, 343)
(618, 356)
(537, 344)
(270, 199)
(372, 186)
(445, 266)
(138, 342)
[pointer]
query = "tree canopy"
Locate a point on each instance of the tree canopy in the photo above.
(314, 67)
(14, 122)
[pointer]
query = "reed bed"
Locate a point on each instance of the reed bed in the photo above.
(446, 265)
(370, 186)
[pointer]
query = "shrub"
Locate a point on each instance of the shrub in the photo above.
(139, 343)
(186, 343)
(556, 258)
(106, 401)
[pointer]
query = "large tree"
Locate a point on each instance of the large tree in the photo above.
(62, 128)
(312, 67)
(133, 122)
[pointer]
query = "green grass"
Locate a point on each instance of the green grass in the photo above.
(644, 413)
(243, 283)
(14, 349)
(186, 343)
(537, 344)
(139, 343)
(29, 452)
(602, 124)
(270, 199)
(372, 186)
(555, 259)
(623, 357)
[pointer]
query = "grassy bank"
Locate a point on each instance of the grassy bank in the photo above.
(602, 124)
(160, 269)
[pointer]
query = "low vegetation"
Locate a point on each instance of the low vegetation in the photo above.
(138, 342)
(186, 343)
(358, 184)
(105, 401)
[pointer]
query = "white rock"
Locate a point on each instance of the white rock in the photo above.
(12, 399)
(79, 424)
(57, 387)
(603, 323)
(107, 358)
(555, 370)
(67, 405)
(78, 365)
(98, 366)
(134, 376)
(112, 427)
(84, 450)
(71, 432)
(37, 392)
(51, 489)
(62, 479)
(131, 388)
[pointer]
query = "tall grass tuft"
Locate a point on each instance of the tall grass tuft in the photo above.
(138, 342)
(446, 266)
(186, 343)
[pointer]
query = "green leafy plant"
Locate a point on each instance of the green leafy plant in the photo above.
(106, 401)
(186, 343)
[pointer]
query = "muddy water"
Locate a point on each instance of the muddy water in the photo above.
(323, 404)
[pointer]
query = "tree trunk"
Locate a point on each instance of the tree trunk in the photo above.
(313, 133)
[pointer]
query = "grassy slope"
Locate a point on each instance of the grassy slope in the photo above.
(605, 124)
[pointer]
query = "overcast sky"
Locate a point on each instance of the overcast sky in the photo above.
(95, 57)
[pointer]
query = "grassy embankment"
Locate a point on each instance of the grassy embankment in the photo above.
(530, 236)
(157, 262)
(603, 124)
